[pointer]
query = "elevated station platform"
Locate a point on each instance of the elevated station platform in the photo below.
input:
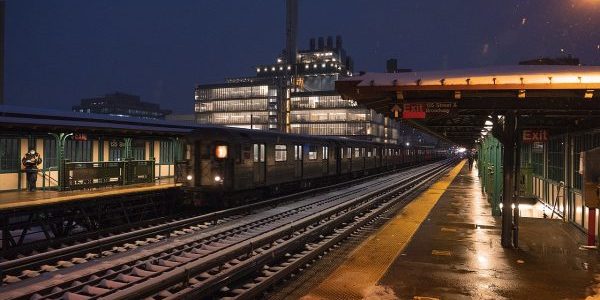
(27, 218)
(446, 245)
(15, 200)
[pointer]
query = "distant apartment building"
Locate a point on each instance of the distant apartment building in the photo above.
(295, 98)
(121, 105)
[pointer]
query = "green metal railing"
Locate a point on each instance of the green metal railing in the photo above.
(84, 175)
(490, 171)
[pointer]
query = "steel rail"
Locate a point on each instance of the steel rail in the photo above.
(88, 283)
(182, 274)
(101, 244)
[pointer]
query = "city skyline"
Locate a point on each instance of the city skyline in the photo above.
(161, 53)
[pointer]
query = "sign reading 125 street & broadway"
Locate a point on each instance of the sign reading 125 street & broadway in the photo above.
(421, 110)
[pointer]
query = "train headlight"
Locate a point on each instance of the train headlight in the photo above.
(218, 178)
(221, 151)
(189, 177)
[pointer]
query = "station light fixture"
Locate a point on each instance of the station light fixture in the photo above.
(189, 177)
(488, 125)
(257, 70)
(457, 95)
(289, 67)
(589, 94)
(521, 94)
(272, 68)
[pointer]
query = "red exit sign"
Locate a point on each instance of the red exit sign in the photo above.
(414, 111)
(535, 135)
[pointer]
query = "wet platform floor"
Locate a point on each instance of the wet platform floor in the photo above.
(456, 254)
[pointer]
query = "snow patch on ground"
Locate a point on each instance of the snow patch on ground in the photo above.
(379, 292)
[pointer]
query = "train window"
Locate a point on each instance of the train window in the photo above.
(256, 154)
(259, 152)
(325, 152)
(349, 152)
(312, 152)
(368, 153)
(362, 152)
(238, 154)
(341, 153)
(374, 152)
(298, 152)
(356, 152)
(247, 152)
(280, 152)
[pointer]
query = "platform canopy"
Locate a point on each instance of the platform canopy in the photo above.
(456, 104)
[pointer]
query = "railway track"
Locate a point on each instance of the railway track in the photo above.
(195, 261)
(16, 266)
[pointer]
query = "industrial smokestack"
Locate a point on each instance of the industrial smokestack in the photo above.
(313, 45)
(291, 30)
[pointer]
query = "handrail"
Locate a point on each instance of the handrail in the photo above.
(81, 175)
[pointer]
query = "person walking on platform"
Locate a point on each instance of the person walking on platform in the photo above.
(470, 158)
(31, 160)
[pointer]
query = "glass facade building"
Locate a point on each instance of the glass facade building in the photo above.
(248, 104)
(298, 98)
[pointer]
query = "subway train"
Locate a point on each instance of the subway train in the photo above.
(225, 167)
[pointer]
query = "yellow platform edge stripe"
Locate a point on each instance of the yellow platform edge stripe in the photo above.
(67, 198)
(357, 277)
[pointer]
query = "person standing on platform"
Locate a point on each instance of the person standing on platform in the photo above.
(31, 160)
(470, 158)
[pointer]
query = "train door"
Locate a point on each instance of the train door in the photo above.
(259, 164)
(325, 161)
(298, 161)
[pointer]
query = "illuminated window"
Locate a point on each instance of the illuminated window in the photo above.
(259, 153)
(280, 152)
(298, 152)
(10, 160)
(256, 154)
(356, 152)
(312, 152)
(325, 152)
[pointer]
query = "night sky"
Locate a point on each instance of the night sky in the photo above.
(58, 52)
